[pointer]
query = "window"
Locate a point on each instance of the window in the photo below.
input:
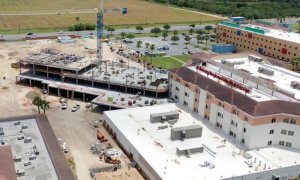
(281, 143)
(208, 97)
(245, 130)
(269, 143)
(186, 94)
(273, 120)
(220, 115)
(243, 141)
(288, 144)
(271, 131)
(286, 120)
(283, 131)
(187, 85)
(293, 121)
(232, 122)
(176, 97)
(291, 133)
(177, 89)
(185, 103)
(246, 118)
(206, 107)
(196, 100)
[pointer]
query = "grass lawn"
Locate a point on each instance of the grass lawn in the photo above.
(168, 62)
(139, 12)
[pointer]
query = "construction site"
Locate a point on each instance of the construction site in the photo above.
(69, 75)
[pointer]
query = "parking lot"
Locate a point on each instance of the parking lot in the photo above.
(174, 50)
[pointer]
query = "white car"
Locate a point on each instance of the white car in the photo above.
(60, 32)
(64, 106)
(75, 107)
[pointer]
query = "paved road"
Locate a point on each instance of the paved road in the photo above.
(82, 33)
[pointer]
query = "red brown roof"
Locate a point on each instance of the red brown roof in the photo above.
(7, 167)
(235, 98)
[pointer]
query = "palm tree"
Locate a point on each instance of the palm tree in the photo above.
(123, 34)
(175, 33)
(147, 46)
(45, 105)
(164, 35)
(199, 39)
(152, 48)
(206, 38)
(187, 40)
(295, 62)
(37, 101)
(218, 35)
(139, 44)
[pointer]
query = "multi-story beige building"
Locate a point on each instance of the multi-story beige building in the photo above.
(255, 103)
(275, 43)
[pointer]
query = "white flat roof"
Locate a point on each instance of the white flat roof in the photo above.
(287, 36)
(156, 147)
(282, 77)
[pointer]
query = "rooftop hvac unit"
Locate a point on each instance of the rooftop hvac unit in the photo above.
(180, 133)
(255, 58)
(295, 85)
(162, 117)
(266, 71)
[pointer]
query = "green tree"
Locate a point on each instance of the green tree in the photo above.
(206, 37)
(139, 28)
(208, 28)
(200, 31)
(155, 30)
(175, 33)
(37, 101)
(152, 48)
(110, 29)
(45, 105)
(123, 34)
(187, 40)
(139, 44)
(218, 35)
(130, 36)
(175, 39)
(166, 27)
(147, 46)
(191, 31)
(199, 39)
(295, 62)
(165, 35)
(77, 19)
(192, 26)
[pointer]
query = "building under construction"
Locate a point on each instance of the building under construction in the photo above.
(75, 77)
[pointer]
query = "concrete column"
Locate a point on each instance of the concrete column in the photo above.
(30, 82)
(43, 86)
(76, 77)
(108, 86)
(58, 93)
(72, 96)
(83, 97)
(33, 69)
(144, 92)
(48, 89)
(109, 107)
(125, 89)
(47, 72)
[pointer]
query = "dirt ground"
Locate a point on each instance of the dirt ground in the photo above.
(74, 128)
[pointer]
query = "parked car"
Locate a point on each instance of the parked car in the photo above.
(44, 91)
(60, 32)
(29, 34)
(64, 106)
(75, 107)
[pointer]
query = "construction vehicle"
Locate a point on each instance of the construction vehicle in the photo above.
(111, 160)
(100, 136)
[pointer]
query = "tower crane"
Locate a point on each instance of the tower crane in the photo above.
(100, 14)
